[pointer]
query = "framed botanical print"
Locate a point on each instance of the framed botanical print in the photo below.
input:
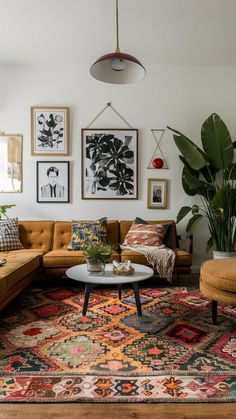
(49, 131)
(53, 181)
(109, 163)
(157, 193)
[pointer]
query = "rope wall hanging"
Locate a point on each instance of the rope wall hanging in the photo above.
(158, 160)
(109, 105)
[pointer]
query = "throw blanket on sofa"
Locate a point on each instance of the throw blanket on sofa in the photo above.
(161, 258)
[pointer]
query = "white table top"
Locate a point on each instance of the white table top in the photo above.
(80, 273)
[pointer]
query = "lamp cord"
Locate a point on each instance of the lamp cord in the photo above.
(117, 28)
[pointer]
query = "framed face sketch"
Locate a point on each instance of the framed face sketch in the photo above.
(52, 181)
(157, 193)
(109, 163)
(11, 146)
(49, 131)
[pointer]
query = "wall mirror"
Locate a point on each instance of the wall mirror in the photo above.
(11, 162)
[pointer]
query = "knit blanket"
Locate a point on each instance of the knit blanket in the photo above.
(161, 258)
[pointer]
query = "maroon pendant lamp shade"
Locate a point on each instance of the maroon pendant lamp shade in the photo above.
(117, 67)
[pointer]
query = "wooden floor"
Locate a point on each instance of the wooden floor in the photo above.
(119, 411)
(122, 410)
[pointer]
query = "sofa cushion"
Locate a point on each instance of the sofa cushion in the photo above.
(167, 241)
(84, 234)
(17, 267)
(37, 234)
(66, 258)
(9, 235)
(145, 235)
(125, 225)
(62, 233)
(182, 258)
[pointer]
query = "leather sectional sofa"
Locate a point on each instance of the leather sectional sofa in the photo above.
(45, 248)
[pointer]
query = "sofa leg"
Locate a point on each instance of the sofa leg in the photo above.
(214, 311)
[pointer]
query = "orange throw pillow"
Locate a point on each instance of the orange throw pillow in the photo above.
(145, 235)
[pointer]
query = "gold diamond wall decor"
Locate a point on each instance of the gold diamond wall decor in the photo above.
(158, 160)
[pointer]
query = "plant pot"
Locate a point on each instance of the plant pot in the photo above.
(223, 255)
(95, 267)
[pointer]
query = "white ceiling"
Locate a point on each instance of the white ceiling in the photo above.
(162, 32)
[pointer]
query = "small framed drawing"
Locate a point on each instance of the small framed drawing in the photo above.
(49, 131)
(53, 181)
(109, 163)
(157, 193)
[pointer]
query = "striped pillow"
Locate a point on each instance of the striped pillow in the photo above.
(145, 235)
(9, 235)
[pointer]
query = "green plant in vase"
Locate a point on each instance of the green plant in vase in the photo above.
(210, 172)
(96, 256)
(3, 210)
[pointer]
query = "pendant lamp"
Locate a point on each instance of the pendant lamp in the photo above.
(117, 67)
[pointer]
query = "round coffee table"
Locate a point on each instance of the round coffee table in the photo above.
(80, 273)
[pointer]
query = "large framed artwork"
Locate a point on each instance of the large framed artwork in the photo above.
(109, 163)
(11, 146)
(157, 193)
(49, 131)
(53, 181)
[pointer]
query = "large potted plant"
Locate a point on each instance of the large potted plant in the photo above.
(210, 172)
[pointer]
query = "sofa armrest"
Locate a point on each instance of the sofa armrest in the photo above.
(188, 242)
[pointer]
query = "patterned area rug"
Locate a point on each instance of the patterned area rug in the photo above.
(49, 352)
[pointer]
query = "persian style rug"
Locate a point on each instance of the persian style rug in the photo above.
(49, 352)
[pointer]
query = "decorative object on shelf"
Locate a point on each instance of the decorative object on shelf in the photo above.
(123, 268)
(117, 67)
(158, 160)
(109, 163)
(49, 131)
(96, 257)
(157, 194)
(3, 210)
(53, 181)
(210, 173)
(11, 162)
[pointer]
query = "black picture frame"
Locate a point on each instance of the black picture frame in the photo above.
(53, 181)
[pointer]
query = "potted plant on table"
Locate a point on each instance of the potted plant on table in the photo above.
(3, 210)
(96, 257)
(210, 173)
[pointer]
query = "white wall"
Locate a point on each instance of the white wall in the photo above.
(181, 97)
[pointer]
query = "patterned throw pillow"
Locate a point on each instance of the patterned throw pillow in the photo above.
(167, 241)
(145, 235)
(9, 235)
(86, 233)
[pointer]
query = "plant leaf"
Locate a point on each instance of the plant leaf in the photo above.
(182, 213)
(217, 142)
(230, 172)
(191, 152)
(193, 223)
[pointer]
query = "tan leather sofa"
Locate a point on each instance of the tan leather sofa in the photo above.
(45, 247)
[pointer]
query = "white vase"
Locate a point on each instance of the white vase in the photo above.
(223, 255)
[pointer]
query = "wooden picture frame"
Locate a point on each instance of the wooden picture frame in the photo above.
(109, 163)
(157, 193)
(49, 131)
(52, 179)
(11, 163)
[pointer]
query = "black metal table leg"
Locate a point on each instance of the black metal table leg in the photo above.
(119, 291)
(88, 289)
(214, 311)
(137, 298)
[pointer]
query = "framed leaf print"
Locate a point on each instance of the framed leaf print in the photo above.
(49, 131)
(109, 163)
